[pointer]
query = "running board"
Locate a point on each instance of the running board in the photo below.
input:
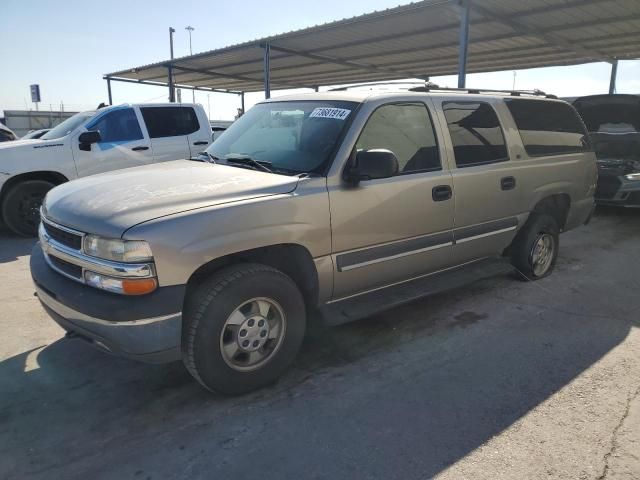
(367, 304)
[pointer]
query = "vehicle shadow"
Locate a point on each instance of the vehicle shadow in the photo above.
(405, 393)
(13, 246)
(400, 384)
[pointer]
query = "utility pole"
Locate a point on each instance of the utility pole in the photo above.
(172, 97)
(171, 32)
(190, 29)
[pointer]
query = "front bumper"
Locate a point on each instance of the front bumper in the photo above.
(618, 191)
(146, 328)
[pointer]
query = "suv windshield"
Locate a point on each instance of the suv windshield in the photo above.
(68, 126)
(291, 137)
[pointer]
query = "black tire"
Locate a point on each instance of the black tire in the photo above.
(538, 226)
(212, 303)
(21, 206)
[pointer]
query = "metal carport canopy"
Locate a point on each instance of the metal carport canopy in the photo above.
(418, 40)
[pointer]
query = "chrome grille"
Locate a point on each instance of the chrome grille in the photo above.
(63, 236)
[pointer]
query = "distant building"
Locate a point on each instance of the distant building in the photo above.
(23, 121)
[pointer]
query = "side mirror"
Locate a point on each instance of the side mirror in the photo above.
(372, 164)
(88, 138)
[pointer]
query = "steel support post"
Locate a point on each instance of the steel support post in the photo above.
(267, 70)
(172, 93)
(463, 45)
(109, 91)
(614, 75)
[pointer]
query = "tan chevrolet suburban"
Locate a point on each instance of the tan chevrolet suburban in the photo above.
(340, 203)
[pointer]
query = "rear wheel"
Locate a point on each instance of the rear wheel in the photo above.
(535, 248)
(242, 328)
(21, 206)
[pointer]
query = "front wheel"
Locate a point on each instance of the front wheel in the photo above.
(242, 328)
(535, 249)
(21, 206)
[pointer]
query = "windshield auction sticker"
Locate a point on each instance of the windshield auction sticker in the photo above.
(336, 113)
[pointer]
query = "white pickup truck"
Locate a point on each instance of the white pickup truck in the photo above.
(93, 142)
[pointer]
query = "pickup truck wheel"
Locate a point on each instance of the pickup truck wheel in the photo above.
(242, 328)
(535, 248)
(21, 206)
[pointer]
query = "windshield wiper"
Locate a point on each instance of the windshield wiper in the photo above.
(246, 160)
(213, 158)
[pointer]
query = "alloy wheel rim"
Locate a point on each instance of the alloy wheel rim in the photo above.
(542, 254)
(252, 334)
(29, 208)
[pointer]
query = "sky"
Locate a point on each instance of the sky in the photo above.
(66, 47)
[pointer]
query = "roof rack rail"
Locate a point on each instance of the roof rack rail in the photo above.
(514, 93)
(375, 84)
(432, 87)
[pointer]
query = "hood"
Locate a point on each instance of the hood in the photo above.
(14, 155)
(26, 143)
(618, 113)
(108, 204)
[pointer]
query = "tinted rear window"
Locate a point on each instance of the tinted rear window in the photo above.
(548, 128)
(170, 121)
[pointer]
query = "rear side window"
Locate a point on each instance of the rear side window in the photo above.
(170, 121)
(407, 131)
(117, 126)
(475, 132)
(548, 128)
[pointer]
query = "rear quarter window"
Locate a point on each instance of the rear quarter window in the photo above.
(548, 128)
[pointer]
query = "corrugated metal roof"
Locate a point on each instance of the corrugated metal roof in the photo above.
(417, 40)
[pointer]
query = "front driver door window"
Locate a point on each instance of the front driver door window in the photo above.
(407, 131)
(122, 144)
(118, 126)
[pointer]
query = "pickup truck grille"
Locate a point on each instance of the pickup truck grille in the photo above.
(64, 237)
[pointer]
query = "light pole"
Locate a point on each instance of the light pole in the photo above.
(172, 93)
(190, 29)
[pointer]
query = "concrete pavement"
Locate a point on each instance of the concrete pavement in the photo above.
(498, 380)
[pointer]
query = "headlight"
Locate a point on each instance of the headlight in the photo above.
(633, 176)
(124, 286)
(117, 250)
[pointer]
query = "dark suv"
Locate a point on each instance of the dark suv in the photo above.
(613, 122)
